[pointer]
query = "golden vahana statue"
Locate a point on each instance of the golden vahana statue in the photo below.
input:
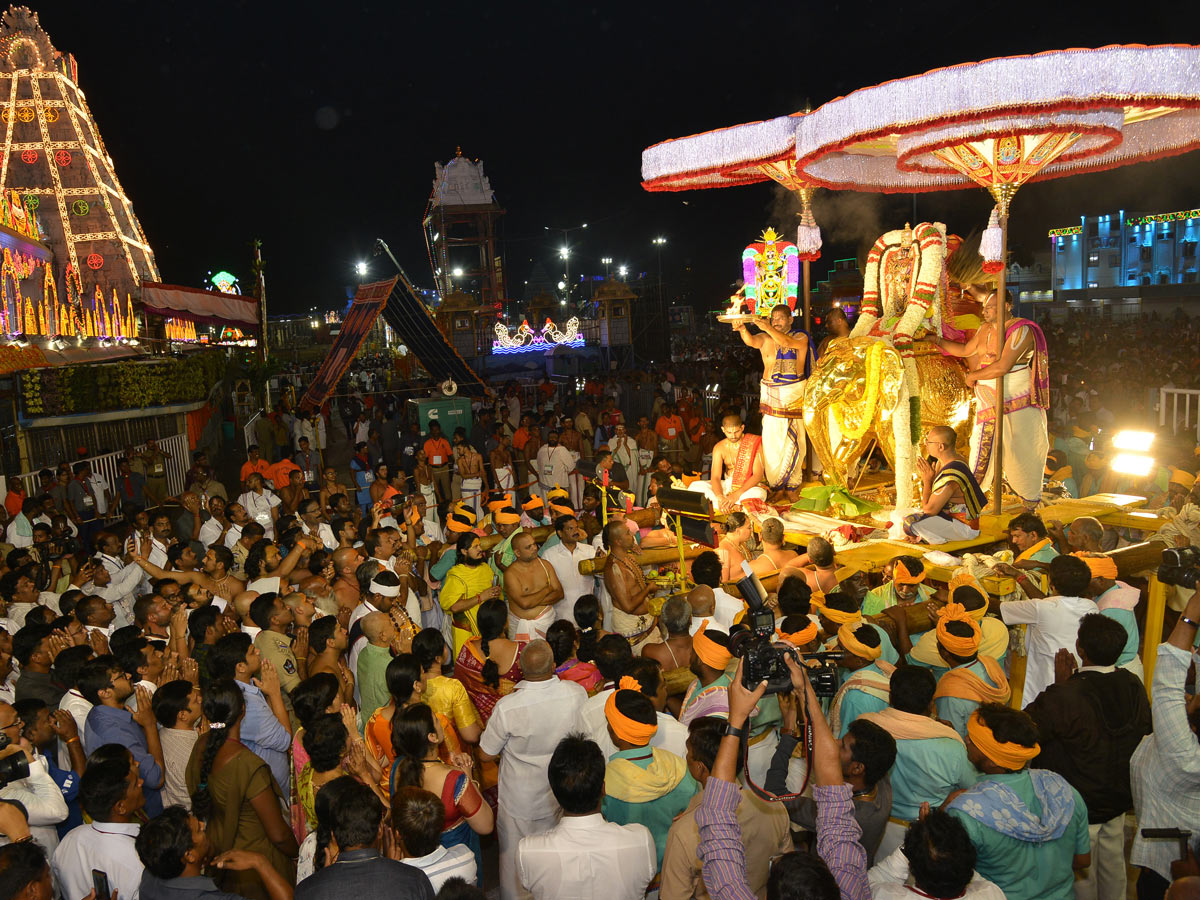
(881, 382)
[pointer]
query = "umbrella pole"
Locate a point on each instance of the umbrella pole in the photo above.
(1003, 197)
(807, 310)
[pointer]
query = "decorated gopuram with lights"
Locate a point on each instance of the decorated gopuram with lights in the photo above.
(86, 364)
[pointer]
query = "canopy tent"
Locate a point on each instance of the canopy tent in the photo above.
(175, 301)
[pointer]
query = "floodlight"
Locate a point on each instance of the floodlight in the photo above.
(1137, 441)
(1132, 464)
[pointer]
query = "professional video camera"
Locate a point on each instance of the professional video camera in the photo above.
(1180, 567)
(762, 659)
(14, 767)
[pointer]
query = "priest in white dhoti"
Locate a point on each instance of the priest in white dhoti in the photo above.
(1022, 359)
(737, 467)
(787, 362)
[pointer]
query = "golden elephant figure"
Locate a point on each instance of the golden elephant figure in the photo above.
(860, 391)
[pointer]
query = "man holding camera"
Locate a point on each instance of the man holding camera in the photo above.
(24, 779)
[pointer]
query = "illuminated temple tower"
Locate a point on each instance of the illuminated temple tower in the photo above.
(55, 166)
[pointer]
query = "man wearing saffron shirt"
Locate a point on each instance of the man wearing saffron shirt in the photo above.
(437, 452)
(254, 463)
(671, 436)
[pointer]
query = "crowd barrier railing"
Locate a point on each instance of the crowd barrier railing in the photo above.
(178, 462)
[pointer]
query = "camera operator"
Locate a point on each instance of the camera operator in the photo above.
(24, 779)
(870, 753)
(839, 870)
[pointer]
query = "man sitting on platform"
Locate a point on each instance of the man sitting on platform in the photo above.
(951, 499)
(737, 467)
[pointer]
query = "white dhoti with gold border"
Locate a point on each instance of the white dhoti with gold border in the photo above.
(1026, 441)
(782, 432)
(758, 492)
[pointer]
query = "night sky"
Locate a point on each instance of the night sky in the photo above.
(315, 127)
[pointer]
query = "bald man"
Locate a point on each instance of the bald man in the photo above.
(373, 659)
(951, 499)
(522, 733)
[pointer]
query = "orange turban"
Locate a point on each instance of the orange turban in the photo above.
(461, 510)
(458, 523)
(534, 502)
(627, 729)
(901, 575)
(836, 616)
(506, 516)
(557, 494)
(956, 644)
(559, 510)
(800, 638)
(1182, 478)
(710, 652)
(1005, 755)
(849, 640)
(1100, 566)
(498, 503)
(965, 579)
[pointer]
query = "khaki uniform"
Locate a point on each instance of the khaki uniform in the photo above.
(276, 649)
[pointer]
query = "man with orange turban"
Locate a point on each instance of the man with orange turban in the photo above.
(972, 679)
(905, 588)
(867, 688)
(1117, 600)
(1029, 826)
(642, 784)
(967, 592)
(709, 694)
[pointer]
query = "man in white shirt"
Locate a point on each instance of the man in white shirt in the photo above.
(706, 570)
(584, 856)
(110, 792)
(238, 517)
(523, 732)
(1053, 621)
(565, 557)
(39, 794)
(261, 505)
(310, 523)
(117, 592)
(554, 463)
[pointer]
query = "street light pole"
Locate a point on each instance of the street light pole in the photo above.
(607, 261)
(658, 245)
(565, 252)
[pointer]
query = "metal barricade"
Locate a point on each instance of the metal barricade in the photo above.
(1169, 398)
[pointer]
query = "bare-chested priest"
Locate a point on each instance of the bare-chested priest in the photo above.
(737, 467)
(532, 589)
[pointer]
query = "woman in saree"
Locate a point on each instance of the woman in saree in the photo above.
(488, 664)
(416, 737)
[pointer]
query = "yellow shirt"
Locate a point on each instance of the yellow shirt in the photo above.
(448, 697)
(464, 581)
